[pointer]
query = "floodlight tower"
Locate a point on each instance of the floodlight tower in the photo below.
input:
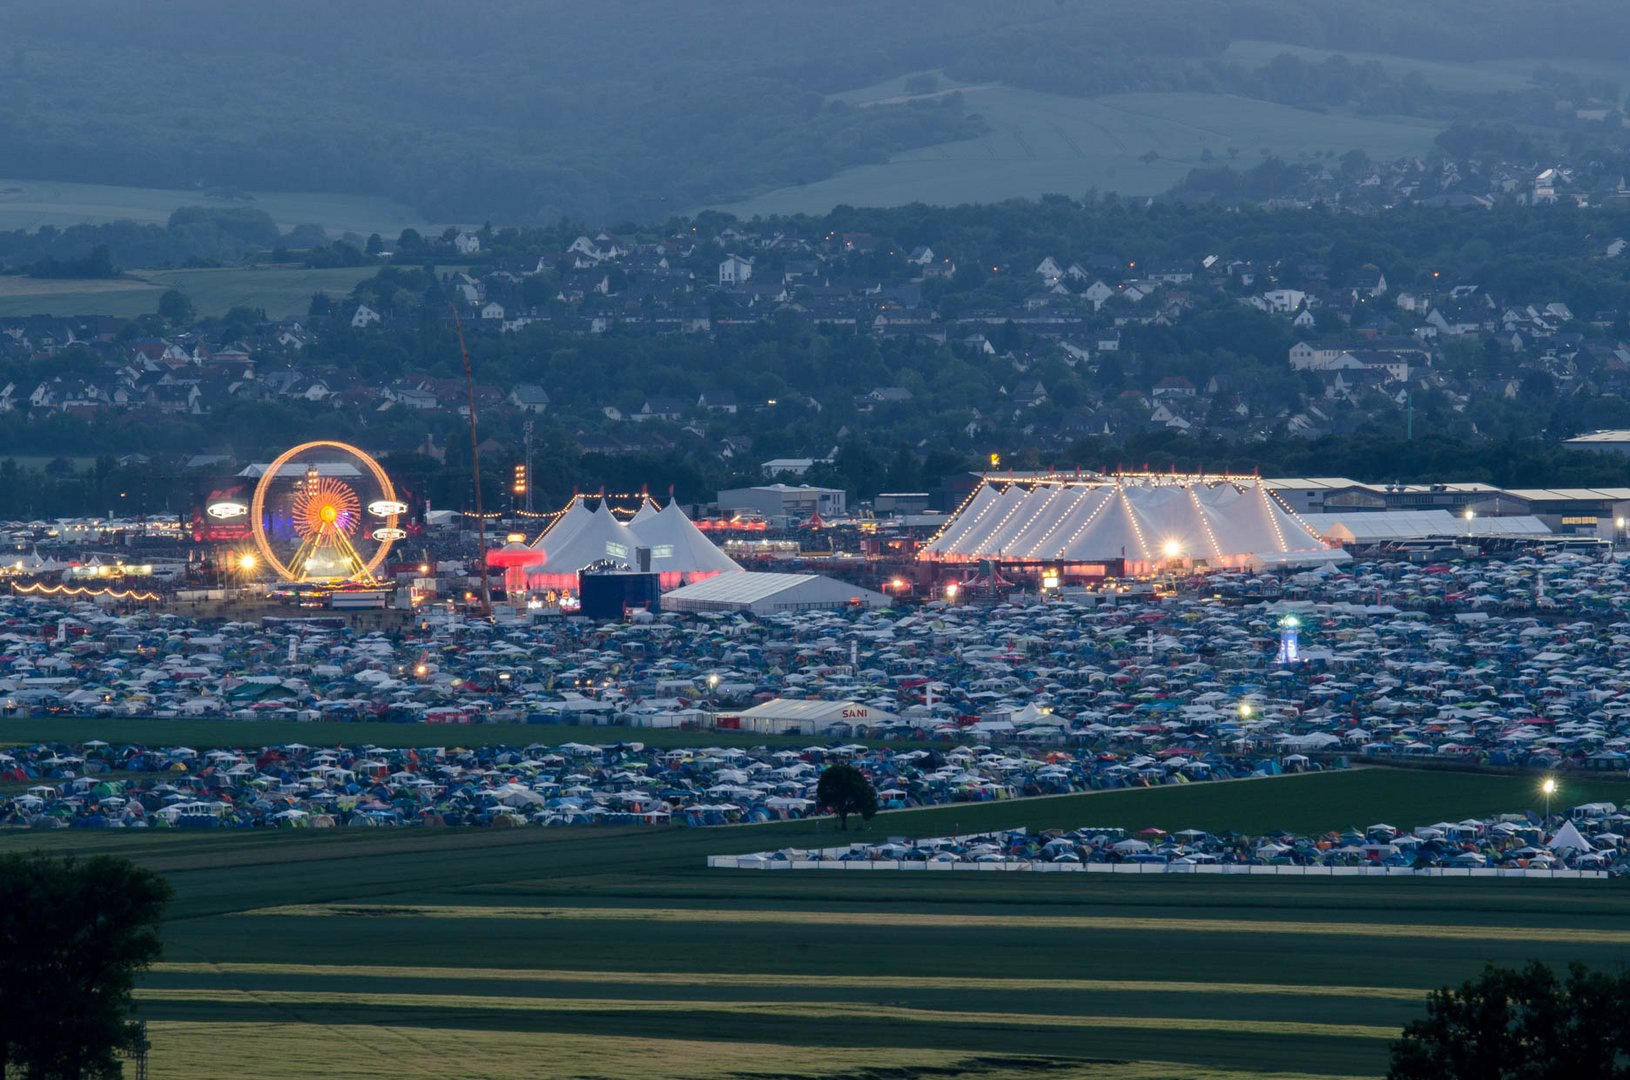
(1290, 651)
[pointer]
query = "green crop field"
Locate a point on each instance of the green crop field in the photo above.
(1048, 143)
(28, 204)
(279, 290)
(617, 953)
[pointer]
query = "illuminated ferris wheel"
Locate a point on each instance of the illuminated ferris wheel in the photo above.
(325, 513)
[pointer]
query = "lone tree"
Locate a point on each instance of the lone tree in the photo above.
(1511, 1023)
(844, 790)
(73, 936)
(176, 309)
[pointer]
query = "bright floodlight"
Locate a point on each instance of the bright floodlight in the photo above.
(247, 561)
(1245, 710)
(1172, 548)
(1548, 786)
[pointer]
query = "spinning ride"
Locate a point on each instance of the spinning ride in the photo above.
(325, 513)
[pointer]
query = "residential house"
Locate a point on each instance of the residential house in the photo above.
(1029, 394)
(735, 270)
(1174, 386)
(718, 401)
(529, 398)
(659, 409)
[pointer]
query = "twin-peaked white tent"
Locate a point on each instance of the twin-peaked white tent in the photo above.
(1147, 521)
(582, 537)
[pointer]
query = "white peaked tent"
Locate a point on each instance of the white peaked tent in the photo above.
(573, 518)
(1568, 838)
(648, 510)
(581, 537)
(1146, 521)
(679, 551)
(580, 540)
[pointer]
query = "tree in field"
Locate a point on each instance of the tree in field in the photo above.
(175, 309)
(1517, 1024)
(73, 936)
(844, 790)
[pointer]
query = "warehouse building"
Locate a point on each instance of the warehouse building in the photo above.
(791, 716)
(1369, 528)
(793, 502)
(1601, 442)
(770, 594)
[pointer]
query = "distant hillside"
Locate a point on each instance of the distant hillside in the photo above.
(527, 110)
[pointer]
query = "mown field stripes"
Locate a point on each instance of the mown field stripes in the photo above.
(189, 1050)
(758, 979)
(1176, 924)
(784, 1010)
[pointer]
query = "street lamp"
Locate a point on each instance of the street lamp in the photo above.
(1470, 514)
(1548, 788)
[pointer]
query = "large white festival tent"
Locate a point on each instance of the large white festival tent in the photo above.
(582, 537)
(1148, 521)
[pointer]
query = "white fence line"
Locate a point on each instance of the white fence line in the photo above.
(746, 862)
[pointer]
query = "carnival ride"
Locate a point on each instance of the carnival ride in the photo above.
(325, 513)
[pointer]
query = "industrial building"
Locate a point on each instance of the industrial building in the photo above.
(787, 501)
(1601, 442)
(791, 716)
(1365, 529)
(769, 594)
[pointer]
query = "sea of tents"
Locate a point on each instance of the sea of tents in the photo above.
(1594, 837)
(1508, 663)
(98, 785)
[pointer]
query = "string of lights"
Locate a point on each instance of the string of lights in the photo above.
(1132, 516)
(1031, 520)
(1205, 522)
(39, 589)
(1081, 495)
(1096, 510)
(1273, 519)
(1294, 516)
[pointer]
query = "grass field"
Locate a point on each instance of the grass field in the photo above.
(28, 204)
(1472, 78)
(280, 290)
(616, 953)
(1048, 143)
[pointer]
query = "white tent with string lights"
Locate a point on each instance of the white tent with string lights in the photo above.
(581, 537)
(1147, 521)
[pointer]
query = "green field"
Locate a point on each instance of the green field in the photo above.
(616, 953)
(28, 204)
(281, 291)
(1049, 143)
(1472, 78)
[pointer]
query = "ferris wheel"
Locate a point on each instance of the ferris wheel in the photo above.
(325, 513)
